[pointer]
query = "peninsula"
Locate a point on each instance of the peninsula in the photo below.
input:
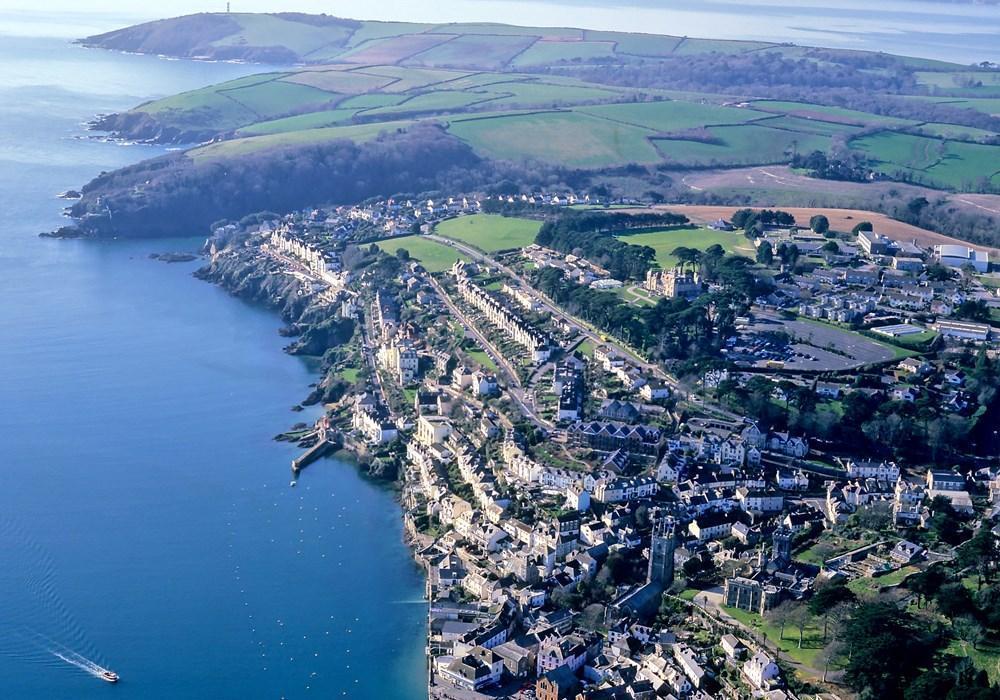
(655, 434)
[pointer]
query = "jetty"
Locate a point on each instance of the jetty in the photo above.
(318, 450)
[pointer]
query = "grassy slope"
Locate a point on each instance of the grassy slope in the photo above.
(435, 257)
(944, 163)
(566, 138)
(490, 233)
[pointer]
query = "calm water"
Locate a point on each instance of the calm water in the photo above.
(146, 518)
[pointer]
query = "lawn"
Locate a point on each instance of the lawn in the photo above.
(986, 657)
(490, 233)
(666, 240)
(812, 637)
(869, 585)
(563, 138)
(933, 161)
(482, 358)
(349, 374)
(435, 257)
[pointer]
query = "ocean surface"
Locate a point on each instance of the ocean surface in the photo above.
(146, 518)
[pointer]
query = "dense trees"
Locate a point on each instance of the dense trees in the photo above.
(592, 235)
(178, 195)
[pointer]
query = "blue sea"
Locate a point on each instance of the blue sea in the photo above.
(146, 519)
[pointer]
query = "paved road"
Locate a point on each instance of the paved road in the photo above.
(514, 388)
(591, 333)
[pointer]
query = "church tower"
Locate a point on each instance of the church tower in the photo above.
(661, 552)
(781, 551)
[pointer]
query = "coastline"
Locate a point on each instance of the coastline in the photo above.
(287, 303)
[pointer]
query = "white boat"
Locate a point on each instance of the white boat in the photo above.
(109, 676)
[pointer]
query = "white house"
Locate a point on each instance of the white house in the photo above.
(761, 671)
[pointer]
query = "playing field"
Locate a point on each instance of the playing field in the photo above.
(665, 241)
(435, 257)
(490, 233)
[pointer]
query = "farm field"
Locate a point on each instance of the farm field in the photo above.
(254, 144)
(565, 138)
(945, 163)
(546, 52)
(841, 220)
(490, 233)
(672, 115)
(746, 144)
(953, 131)
(666, 240)
(312, 120)
(435, 257)
(824, 113)
(489, 52)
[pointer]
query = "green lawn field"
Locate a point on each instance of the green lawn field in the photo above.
(490, 233)
(665, 241)
(435, 257)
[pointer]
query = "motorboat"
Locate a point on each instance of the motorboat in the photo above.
(109, 676)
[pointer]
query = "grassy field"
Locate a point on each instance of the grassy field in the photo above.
(812, 636)
(490, 52)
(300, 122)
(254, 144)
(672, 115)
(746, 144)
(490, 233)
(435, 257)
(564, 138)
(824, 113)
(665, 241)
(547, 52)
(483, 359)
(939, 162)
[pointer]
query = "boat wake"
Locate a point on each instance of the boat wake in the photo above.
(29, 602)
(81, 662)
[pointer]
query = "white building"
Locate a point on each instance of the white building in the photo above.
(959, 256)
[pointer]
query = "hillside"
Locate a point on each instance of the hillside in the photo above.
(627, 113)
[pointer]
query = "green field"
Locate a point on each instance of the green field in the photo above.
(812, 637)
(934, 161)
(490, 52)
(312, 120)
(435, 257)
(482, 358)
(358, 133)
(672, 115)
(548, 52)
(748, 144)
(667, 240)
(490, 233)
(824, 113)
(953, 131)
(565, 138)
